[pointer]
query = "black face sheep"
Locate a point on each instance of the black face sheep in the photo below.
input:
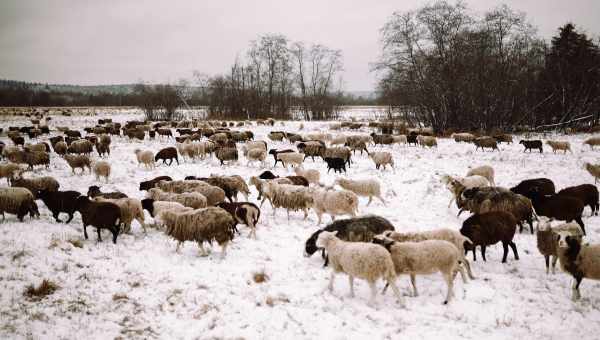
(532, 144)
(101, 215)
(147, 185)
(544, 186)
(366, 261)
(358, 229)
(579, 260)
(562, 208)
(586, 193)
(276, 152)
(337, 164)
(165, 154)
(490, 228)
(243, 212)
(94, 191)
(60, 201)
(18, 201)
(547, 239)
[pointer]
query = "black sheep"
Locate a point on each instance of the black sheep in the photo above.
(532, 144)
(559, 207)
(337, 164)
(544, 186)
(587, 193)
(94, 191)
(60, 201)
(165, 154)
(101, 215)
(147, 185)
(490, 228)
(267, 175)
(412, 139)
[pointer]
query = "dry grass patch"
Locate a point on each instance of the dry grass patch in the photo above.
(260, 277)
(44, 289)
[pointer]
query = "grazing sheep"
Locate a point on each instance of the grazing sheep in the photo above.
(532, 144)
(276, 136)
(145, 157)
(423, 258)
(9, 171)
(60, 201)
(503, 138)
(490, 228)
(312, 176)
(562, 208)
(94, 191)
(79, 161)
(446, 234)
(485, 142)
(36, 184)
(586, 193)
(102, 169)
(484, 171)
(226, 154)
(579, 260)
(427, 141)
(366, 261)
(488, 199)
(18, 201)
(193, 200)
(383, 139)
(201, 225)
(559, 145)
(547, 239)
(289, 197)
(366, 188)
(463, 137)
(147, 185)
(214, 195)
(593, 141)
(337, 164)
(357, 229)
(382, 158)
(101, 215)
(165, 154)
(311, 149)
(243, 212)
(334, 203)
(544, 186)
(32, 158)
(81, 146)
(131, 208)
(594, 170)
(456, 185)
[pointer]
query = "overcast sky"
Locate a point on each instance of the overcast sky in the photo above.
(124, 41)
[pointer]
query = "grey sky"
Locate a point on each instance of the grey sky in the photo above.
(110, 41)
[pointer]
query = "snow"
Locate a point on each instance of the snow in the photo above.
(141, 288)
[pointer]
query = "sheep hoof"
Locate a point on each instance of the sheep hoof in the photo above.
(445, 302)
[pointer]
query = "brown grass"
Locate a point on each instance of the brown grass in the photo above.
(45, 288)
(76, 242)
(260, 277)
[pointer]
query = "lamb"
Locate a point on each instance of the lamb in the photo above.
(60, 201)
(586, 193)
(487, 199)
(547, 240)
(357, 229)
(194, 200)
(289, 197)
(79, 161)
(165, 154)
(243, 212)
(101, 215)
(456, 185)
(562, 208)
(36, 184)
(201, 225)
(337, 164)
(427, 141)
(484, 171)
(446, 234)
(226, 154)
(18, 201)
(593, 141)
(131, 208)
(581, 261)
(366, 261)
(338, 152)
(81, 146)
(559, 145)
(258, 183)
(147, 185)
(334, 203)
(382, 158)
(490, 228)
(594, 170)
(256, 155)
(544, 186)
(423, 258)
(463, 137)
(485, 142)
(532, 144)
(312, 176)
(94, 191)
(9, 171)
(290, 158)
(366, 188)
(145, 157)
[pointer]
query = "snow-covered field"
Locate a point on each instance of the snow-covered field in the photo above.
(141, 288)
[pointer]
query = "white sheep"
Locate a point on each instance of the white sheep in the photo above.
(366, 188)
(194, 200)
(423, 258)
(400, 139)
(427, 141)
(547, 242)
(159, 207)
(291, 158)
(559, 145)
(365, 261)
(456, 184)
(382, 158)
(334, 203)
(18, 201)
(145, 157)
(9, 171)
(484, 171)
(259, 184)
(256, 155)
(289, 197)
(445, 234)
(579, 260)
(131, 208)
(102, 169)
(312, 176)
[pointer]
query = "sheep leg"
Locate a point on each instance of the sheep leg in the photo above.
(331, 279)
(274, 210)
(70, 218)
(99, 236)
(351, 282)
(576, 294)
(514, 249)
(547, 258)
(554, 258)
(179, 245)
(483, 253)
(288, 214)
(395, 290)
(450, 283)
(370, 199)
(224, 250)
(474, 253)
(305, 214)
(413, 282)
(55, 215)
(373, 293)
(580, 222)
(84, 229)
(505, 248)
(450, 203)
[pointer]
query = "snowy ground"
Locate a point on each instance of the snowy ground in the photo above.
(141, 288)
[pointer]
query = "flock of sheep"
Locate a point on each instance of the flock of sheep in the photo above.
(207, 210)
